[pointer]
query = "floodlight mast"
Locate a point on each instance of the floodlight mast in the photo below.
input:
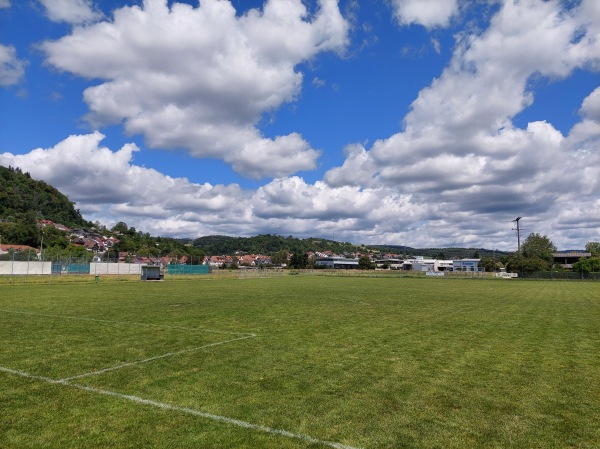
(518, 234)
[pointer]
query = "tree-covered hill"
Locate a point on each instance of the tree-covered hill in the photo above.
(442, 253)
(270, 244)
(24, 201)
(20, 195)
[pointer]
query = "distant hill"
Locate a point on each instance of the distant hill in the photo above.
(24, 201)
(442, 253)
(270, 244)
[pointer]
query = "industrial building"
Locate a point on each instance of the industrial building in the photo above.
(337, 263)
(418, 263)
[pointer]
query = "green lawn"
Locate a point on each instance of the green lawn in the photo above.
(334, 362)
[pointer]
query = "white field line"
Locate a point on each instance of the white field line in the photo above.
(96, 320)
(189, 411)
(150, 359)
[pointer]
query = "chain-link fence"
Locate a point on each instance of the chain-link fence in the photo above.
(81, 267)
(561, 275)
(176, 269)
(36, 267)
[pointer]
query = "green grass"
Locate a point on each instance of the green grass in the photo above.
(362, 362)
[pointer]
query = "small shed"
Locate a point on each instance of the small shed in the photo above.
(152, 273)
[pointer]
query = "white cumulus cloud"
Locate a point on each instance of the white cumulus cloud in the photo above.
(460, 169)
(12, 69)
(200, 78)
(590, 108)
(108, 186)
(459, 148)
(429, 13)
(71, 11)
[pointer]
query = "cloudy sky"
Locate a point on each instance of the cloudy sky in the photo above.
(427, 123)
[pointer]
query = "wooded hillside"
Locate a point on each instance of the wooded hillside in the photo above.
(270, 244)
(24, 201)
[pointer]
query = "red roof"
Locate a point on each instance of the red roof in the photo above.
(6, 248)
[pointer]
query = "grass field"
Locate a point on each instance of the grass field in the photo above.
(301, 362)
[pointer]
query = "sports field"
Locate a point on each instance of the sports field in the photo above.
(301, 362)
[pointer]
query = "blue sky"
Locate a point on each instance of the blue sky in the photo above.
(426, 123)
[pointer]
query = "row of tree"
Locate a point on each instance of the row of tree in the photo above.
(537, 255)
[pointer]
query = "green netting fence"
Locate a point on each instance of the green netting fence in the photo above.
(187, 269)
(70, 268)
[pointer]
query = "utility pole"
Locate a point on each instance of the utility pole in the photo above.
(518, 229)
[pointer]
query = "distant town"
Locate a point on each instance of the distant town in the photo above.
(95, 246)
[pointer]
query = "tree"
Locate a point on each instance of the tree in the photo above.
(55, 237)
(490, 265)
(591, 265)
(593, 247)
(71, 253)
(540, 246)
(280, 258)
(195, 255)
(22, 256)
(299, 260)
(517, 263)
(364, 263)
(120, 227)
(536, 255)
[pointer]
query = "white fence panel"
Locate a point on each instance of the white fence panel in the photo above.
(9, 267)
(115, 268)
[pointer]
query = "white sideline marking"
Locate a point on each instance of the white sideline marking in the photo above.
(175, 408)
(166, 326)
(150, 359)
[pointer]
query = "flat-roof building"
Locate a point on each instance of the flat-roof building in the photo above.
(566, 259)
(337, 263)
(466, 265)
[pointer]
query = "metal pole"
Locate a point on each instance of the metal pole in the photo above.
(518, 234)
(518, 238)
(42, 251)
